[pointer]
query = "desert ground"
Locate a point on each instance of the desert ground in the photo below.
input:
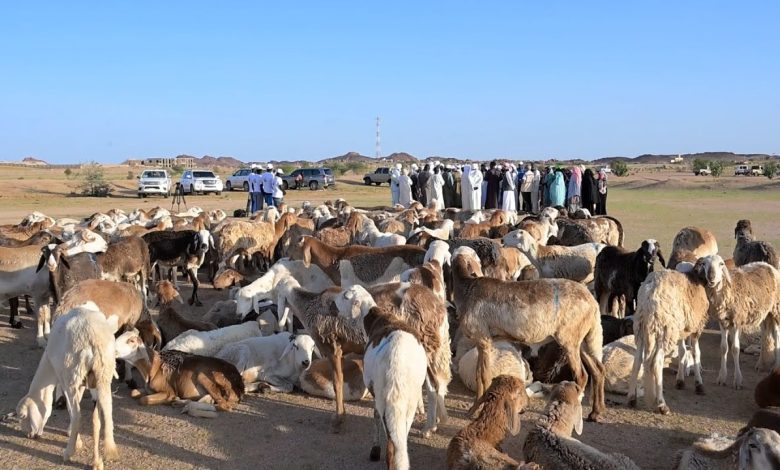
(293, 431)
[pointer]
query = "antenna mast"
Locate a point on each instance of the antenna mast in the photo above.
(378, 141)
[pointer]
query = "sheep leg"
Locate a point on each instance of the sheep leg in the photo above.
(604, 303)
(681, 350)
(483, 366)
(13, 302)
(724, 351)
(697, 364)
(97, 462)
(160, 398)
(104, 402)
(597, 371)
(193, 274)
(379, 436)
(73, 397)
(632, 382)
(735, 356)
(43, 328)
(430, 425)
(338, 389)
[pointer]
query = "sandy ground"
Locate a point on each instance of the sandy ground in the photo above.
(293, 431)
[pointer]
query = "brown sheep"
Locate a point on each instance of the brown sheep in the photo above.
(171, 322)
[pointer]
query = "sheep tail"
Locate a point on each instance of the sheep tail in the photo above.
(396, 428)
(594, 339)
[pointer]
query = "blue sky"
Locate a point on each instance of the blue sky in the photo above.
(108, 81)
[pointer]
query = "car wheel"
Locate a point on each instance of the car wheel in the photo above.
(246, 186)
(192, 190)
(285, 186)
(367, 181)
(228, 186)
(314, 185)
(140, 195)
(218, 193)
(167, 195)
(378, 183)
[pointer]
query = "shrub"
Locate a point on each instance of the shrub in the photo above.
(287, 169)
(716, 167)
(177, 170)
(68, 172)
(771, 169)
(700, 164)
(338, 169)
(356, 167)
(129, 175)
(620, 168)
(94, 181)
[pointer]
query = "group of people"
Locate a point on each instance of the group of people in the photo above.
(265, 187)
(499, 186)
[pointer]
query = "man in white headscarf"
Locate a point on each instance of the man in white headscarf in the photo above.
(465, 189)
(395, 173)
(437, 189)
(405, 189)
(510, 194)
(475, 188)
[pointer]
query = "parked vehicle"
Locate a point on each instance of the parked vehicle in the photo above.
(703, 172)
(379, 176)
(154, 182)
(757, 170)
(314, 178)
(741, 170)
(238, 180)
(200, 181)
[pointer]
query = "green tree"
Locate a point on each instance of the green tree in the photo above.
(338, 169)
(620, 168)
(177, 170)
(68, 172)
(356, 167)
(700, 164)
(716, 167)
(93, 181)
(771, 169)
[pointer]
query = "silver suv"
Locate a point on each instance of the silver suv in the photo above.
(314, 178)
(154, 182)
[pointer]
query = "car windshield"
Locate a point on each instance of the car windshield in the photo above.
(154, 174)
(203, 174)
(327, 171)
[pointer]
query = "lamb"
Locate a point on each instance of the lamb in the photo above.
(19, 277)
(185, 249)
(360, 264)
(426, 316)
(671, 306)
(80, 348)
(209, 343)
(755, 449)
(395, 369)
(173, 375)
(690, 244)
(574, 263)
(171, 322)
(317, 380)
(476, 445)
(274, 362)
(743, 300)
(767, 391)
(222, 313)
(550, 444)
(376, 238)
(505, 360)
(530, 312)
(749, 250)
(334, 335)
(619, 272)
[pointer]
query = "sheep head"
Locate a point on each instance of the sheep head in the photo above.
(521, 240)
(511, 391)
(130, 347)
(31, 415)
(743, 230)
(760, 449)
(300, 349)
(651, 249)
(167, 293)
(354, 302)
(439, 251)
(713, 271)
(51, 257)
(465, 262)
(565, 407)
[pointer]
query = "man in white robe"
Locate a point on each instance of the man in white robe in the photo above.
(475, 187)
(405, 189)
(395, 173)
(465, 189)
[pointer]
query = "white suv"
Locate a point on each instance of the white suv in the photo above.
(200, 181)
(154, 182)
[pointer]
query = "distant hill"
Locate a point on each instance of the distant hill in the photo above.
(33, 161)
(209, 161)
(349, 157)
(726, 157)
(402, 157)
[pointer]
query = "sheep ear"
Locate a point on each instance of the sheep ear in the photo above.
(660, 256)
(317, 351)
(287, 350)
(699, 270)
(306, 254)
(211, 242)
(726, 274)
(45, 252)
(473, 410)
(178, 298)
(578, 419)
(512, 416)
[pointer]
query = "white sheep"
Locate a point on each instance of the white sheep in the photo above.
(743, 299)
(505, 360)
(275, 361)
(395, 369)
(80, 350)
(378, 238)
(444, 231)
(566, 262)
(209, 343)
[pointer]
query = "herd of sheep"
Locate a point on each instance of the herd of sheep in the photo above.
(348, 303)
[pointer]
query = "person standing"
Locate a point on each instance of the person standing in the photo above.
(475, 189)
(465, 188)
(558, 190)
(278, 191)
(525, 188)
(437, 189)
(510, 194)
(449, 187)
(395, 173)
(493, 186)
(254, 188)
(601, 206)
(415, 183)
(405, 189)
(269, 185)
(518, 183)
(574, 193)
(535, 196)
(457, 175)
(423, 181)
(589, 192)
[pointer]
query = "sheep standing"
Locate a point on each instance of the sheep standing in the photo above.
(274, 361)
(476, 445)
(395, 369)
(530, 312)
(748, 250)
(743, 299)
(671, 306)
(80, 349)
(690, 244)
(550, 444)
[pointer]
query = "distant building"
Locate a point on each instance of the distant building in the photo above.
(168, 162)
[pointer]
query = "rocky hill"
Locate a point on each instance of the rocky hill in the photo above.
(725, 157)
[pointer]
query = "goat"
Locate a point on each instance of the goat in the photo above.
(619, 272)
(185, 249)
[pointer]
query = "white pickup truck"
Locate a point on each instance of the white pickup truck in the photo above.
(154, 182)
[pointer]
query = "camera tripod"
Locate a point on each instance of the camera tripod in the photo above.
(178, 198)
